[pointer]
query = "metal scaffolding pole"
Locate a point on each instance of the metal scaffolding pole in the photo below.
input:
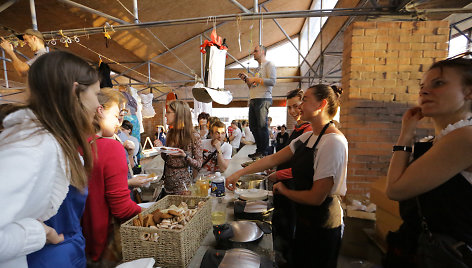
(94, 11)
(135, 11)
(226, 79)
(5, 73)
(33, 15)
(157, 56)
(172, 69)
(201, 58)
(243, 8)
(250, 16)
(149, 71)
(462, 33)
(7, 4)
(290, 40)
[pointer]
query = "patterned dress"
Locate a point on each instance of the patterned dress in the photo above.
(177, 172)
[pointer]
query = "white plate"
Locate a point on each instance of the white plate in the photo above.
(148, 179)
(168, 150)
(146, 205)
(252, 194)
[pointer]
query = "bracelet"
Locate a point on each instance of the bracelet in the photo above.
(402, 148)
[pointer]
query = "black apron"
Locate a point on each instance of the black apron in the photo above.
(283, 219)
(314, 245)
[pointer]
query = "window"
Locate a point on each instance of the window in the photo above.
(281, 55)
(312, 26)
(458, 45)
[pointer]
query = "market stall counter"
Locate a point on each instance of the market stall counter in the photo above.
(262, 246)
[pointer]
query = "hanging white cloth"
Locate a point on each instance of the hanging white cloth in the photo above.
(214, 90)
(199, 107)
(134, 93)
(216, 70)
(148, 110)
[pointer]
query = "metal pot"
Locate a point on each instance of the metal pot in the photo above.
(252, 181)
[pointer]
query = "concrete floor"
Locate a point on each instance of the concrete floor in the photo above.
(357, 249)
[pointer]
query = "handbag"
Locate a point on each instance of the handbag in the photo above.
(441, 250)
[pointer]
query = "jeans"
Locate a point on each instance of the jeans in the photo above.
(258, 112)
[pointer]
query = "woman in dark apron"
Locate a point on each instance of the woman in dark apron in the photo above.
(319, 164)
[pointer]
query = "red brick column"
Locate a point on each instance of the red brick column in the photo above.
(383, 63)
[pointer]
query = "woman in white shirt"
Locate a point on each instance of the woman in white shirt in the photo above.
(39, 155)
(317, 189)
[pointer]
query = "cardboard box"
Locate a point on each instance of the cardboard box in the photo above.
(361, 214)
(379, 197)
(386, 222)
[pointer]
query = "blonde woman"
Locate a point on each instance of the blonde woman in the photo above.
(188, 158)
(109, 196)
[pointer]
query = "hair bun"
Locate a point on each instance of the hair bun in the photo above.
(337, 90)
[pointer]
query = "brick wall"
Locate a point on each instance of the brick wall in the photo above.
(383, 63)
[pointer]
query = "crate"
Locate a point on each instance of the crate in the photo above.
(173, 248)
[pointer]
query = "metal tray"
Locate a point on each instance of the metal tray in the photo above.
(245, 231)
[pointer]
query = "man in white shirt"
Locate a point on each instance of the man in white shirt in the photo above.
(216, 152)
(35, 41)
(235, 138)
(260, 94)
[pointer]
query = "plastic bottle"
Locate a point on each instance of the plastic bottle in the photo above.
(218, 211)
(218, 185)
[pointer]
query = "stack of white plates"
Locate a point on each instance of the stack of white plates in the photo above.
(252, 194)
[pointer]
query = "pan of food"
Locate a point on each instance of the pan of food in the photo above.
(252, 181)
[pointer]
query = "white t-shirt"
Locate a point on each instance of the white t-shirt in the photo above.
(237, 137)
(247, 134)
(330, 158)
(212, 166)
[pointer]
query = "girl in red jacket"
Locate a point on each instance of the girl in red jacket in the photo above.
(109, 196)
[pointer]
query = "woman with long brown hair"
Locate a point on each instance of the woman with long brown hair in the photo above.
(43, 176)
(188, 158)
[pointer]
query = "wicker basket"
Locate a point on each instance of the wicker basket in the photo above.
(174, 248)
